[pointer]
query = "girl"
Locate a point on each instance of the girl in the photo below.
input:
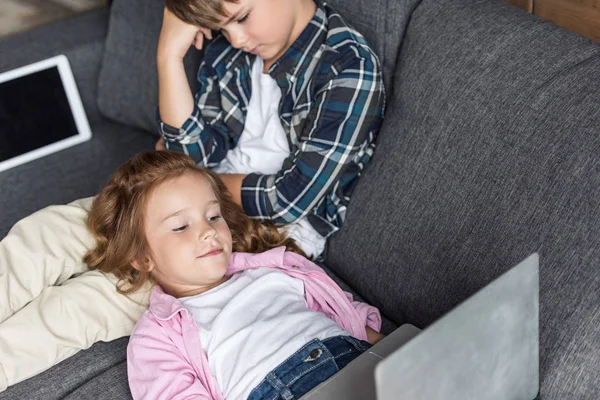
(223, 322)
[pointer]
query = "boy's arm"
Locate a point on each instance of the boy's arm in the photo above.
(234, 185)
(203, 135)
(175, 98)
(188, 123)
(344, 114)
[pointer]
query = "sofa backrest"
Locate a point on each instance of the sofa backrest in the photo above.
(128, 85)
(128, 82)
(489, 152)
(382, 23)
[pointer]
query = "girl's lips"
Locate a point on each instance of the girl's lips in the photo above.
(212, 253)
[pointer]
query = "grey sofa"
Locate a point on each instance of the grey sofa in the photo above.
(490, 151)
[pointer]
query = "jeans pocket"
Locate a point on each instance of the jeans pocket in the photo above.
(358, 344)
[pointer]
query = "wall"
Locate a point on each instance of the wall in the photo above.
(582, 16)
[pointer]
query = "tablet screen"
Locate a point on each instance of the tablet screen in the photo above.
(34, 112)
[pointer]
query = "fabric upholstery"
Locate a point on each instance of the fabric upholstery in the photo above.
(80, 374)
(489, 153)
(111, 384)
(382, 23)
(128, 84)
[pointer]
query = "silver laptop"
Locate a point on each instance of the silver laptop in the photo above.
(486, 348)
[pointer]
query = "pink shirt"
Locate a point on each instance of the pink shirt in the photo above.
(164, 357)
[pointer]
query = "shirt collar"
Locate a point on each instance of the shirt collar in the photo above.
(164, 306)
(297, 57)
(243, 261)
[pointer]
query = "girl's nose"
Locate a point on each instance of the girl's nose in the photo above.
(208, 233)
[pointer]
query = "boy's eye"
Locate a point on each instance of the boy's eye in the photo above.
(245, 17)
(180, 229)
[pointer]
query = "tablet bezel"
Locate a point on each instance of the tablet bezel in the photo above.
(77, 110)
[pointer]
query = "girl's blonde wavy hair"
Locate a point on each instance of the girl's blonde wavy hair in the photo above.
(116, 219)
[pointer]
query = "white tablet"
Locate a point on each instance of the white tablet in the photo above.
(40, 112)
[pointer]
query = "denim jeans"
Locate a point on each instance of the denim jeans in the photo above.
(313, 364)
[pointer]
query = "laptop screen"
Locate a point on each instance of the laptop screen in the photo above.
(34, 112)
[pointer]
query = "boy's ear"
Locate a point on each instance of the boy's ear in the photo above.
(147, 265)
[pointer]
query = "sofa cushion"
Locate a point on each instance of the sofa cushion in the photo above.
(488, 153)
(128, 83)
(77, 376)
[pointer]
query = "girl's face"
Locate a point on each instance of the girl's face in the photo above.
(266, 28)
(190, 242)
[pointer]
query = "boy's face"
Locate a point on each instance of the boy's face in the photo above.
(266, 28)
(190, 242)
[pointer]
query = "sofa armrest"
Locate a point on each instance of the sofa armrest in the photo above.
(80, 38)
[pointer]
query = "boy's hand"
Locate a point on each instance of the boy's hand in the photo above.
(176, 37)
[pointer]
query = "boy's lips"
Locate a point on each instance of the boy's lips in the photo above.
(213, 252)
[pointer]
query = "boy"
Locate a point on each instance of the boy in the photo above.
(328, 94)
(327, 101)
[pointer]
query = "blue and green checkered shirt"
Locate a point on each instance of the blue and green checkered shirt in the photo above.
(331, 108)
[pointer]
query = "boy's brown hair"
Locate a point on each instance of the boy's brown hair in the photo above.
(116, 219)
(203, 13)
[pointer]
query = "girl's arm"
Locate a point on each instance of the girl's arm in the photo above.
(157, 369)
(317, 296)
(373, 336)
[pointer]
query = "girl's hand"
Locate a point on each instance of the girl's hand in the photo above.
(160, 145)
(176, 37)
(373, 336)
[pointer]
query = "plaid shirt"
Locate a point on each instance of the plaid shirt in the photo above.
(331, 108)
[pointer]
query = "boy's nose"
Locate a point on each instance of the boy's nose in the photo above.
(237, 39)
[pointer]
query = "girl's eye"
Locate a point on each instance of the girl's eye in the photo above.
(180, 229)
(215, 218)
(245, 17)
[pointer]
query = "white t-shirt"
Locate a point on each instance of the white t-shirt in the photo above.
(263, 147)
(252, 323)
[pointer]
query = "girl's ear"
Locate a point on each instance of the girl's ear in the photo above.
(147, 265)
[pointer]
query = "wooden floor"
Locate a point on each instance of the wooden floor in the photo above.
(21, 15)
